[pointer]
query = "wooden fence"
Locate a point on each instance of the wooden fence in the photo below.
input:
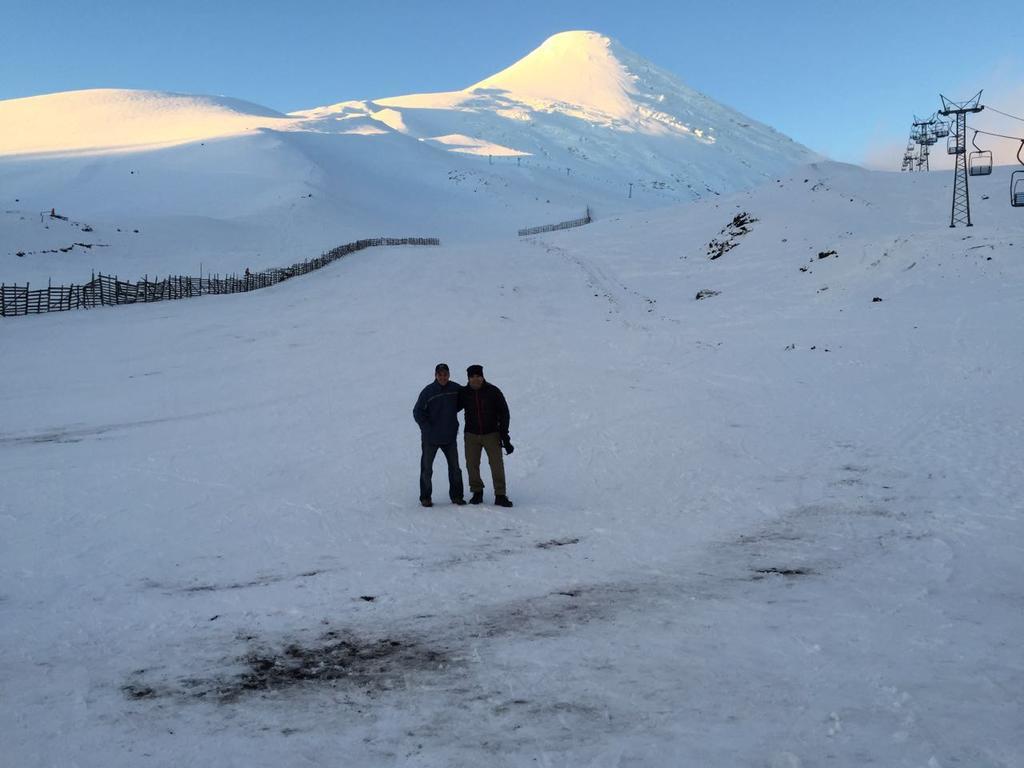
(103, 290)
(552, 227)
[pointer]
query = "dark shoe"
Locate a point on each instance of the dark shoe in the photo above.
(426, 502)
(502, 501)
(458, 502)
(477, 498)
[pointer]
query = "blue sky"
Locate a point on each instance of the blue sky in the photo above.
(843, 78)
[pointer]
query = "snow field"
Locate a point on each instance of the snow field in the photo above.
(723, 551)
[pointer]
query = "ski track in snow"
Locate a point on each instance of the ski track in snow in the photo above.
(625, 304)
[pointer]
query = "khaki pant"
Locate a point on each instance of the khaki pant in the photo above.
(492, 444)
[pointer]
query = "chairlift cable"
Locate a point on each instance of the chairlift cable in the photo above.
(1004, 114)
(1000, 135)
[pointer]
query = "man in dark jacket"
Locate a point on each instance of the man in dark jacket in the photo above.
(437, 413)
(486, 415)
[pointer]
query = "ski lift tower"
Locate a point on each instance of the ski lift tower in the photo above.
(924, 134)
(961, 211)
(908, 154)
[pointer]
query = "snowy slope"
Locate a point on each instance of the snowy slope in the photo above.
(111, 119)
(579, 122)
(780, 526)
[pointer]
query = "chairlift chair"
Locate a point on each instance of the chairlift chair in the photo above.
(941, 129)
(1017, 189)
(929, 139)
(953, 147)
(979, 163)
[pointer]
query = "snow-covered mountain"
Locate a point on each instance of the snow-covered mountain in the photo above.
(581, 121)
(583, 102)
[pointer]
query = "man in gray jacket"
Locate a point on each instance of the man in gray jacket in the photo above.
(436, 411)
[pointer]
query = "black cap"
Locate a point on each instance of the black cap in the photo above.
(475, 370)
(440, 367)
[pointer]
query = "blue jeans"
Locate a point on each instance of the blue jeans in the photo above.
(451, 454)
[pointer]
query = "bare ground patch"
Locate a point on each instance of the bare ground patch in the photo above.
(336, 658)
(370, 664)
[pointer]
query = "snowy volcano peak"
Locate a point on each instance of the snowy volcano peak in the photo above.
(579, 68)
(592, 76)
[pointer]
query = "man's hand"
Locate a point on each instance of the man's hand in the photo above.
(506, 443)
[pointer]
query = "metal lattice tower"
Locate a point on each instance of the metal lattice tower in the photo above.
(908, 154)
(924, 134)
(961, 210)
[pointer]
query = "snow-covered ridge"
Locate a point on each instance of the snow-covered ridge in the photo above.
(107, 118)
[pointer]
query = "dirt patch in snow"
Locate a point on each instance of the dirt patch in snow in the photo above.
(336, 658)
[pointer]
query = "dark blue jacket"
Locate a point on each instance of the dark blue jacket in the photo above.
(437, 413)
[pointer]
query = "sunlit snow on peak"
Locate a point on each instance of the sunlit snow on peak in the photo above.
(589, 77)
(580, 69)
